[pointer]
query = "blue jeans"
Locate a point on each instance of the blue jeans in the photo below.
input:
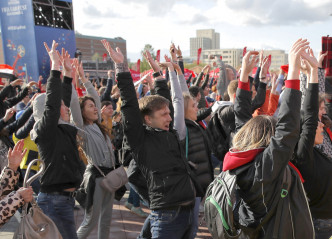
(195, 218)
(175, 224)
(133, 198)
(36, 183)
(61, 210)
(323, 228)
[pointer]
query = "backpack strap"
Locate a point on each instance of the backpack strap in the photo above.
(276, 207)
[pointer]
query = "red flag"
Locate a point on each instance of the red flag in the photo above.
(138, 65)
(244, 51)
(135, 75)
(220, 57)
(158, 56)
(104, 57)
(199, 51)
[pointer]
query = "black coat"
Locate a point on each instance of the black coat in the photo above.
(315, 167)
(57, 143)
(199, 154)
(158, 153)
(260, 180)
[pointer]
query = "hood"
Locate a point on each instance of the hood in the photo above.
(234, 159)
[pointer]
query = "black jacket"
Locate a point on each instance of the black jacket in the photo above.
(158, 154)
(57, 143)
(221, 127)
(199, 154)
(314, 166)
(260, 181)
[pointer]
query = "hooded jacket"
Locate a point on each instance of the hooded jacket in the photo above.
(260, 173)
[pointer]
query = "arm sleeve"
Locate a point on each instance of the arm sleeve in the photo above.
(321, 80)
(205, 82)
(242, 108)
(199, 79)
(76, 114)
(273, 105)
(264, 108)
(280, 150)
(131, 115)
(48, 124)
(303, 86)
(16, 99)
(66, 90)
(256, 77)
(181, 66)
(24, 131)
(203, 113)
(178, 104)
(107, 93)
(280, 83)
(11, 128)
(259, 99)
(183, 84)
(5, 91)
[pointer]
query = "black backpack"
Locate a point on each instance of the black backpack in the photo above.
(220, 135)
(221, 203)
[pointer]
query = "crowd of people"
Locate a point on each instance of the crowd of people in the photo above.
(173, 134)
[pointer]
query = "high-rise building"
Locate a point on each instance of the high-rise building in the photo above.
(205, 39)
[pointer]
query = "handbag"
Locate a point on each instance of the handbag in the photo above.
(34, 223)
(116, 178)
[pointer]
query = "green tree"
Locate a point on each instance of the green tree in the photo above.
(144, 64)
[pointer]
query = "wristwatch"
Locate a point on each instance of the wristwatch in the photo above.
(156, 74)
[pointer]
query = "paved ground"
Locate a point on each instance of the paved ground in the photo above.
(125, 225)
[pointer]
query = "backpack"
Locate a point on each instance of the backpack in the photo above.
(222, 202)
(219, 135)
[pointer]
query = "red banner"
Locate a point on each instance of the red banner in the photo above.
(135, 75)
(158, 56)
(104, 57)
(187, 73)
(199, 51)
(138, 65)
(244, 51)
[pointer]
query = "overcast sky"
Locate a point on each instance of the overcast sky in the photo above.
(259, 24)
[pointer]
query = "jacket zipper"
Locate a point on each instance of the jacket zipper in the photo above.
(291, 217)
(312, 224)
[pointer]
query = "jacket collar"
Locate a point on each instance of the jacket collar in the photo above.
(234, 159)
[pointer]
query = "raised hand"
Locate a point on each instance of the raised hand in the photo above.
(79, 70)
(248, 64)
(264, 69)
(26, 194)
(16, 82)
(15, 155)
(153, 64)
(309, 56)
(65, 62)
(179, 52)
(294, 58)
(173, 52)
(116, 56)
(54, 55)
(167, 64)
(9, 114)
(274, 84)
(321, 57)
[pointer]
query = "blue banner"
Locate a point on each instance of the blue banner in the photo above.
(17, 27)
(65, 38)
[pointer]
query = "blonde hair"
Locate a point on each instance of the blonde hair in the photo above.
(256, 133)
(186, 98)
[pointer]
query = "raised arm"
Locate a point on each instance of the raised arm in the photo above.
(277, 155)
(47, 125)
(242, 104)
(131, 115)
(177, 101)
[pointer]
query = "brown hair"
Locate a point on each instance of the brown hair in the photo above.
(102, 128)
(256, 133)
(149, 104)
(232, 86)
